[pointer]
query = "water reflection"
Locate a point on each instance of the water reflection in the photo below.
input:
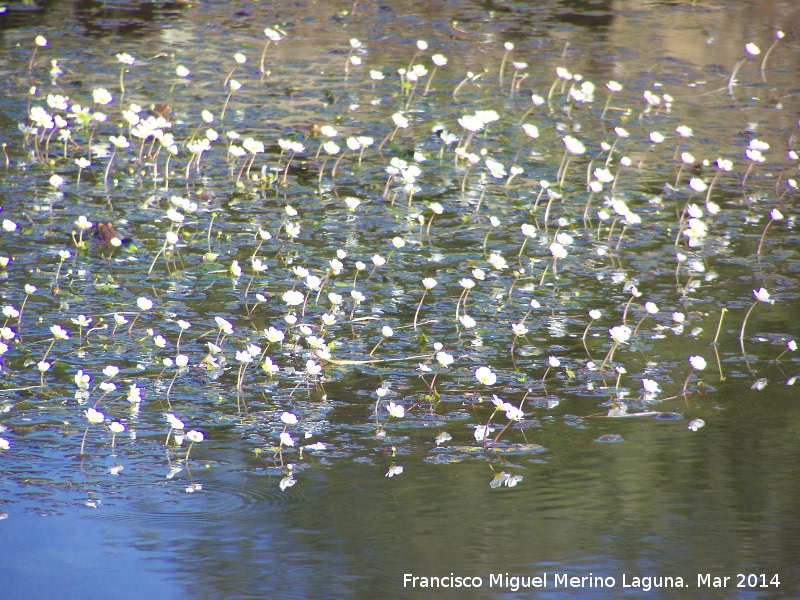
(712, 504)
(659, 501)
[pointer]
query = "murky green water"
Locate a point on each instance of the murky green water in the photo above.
(610, 480)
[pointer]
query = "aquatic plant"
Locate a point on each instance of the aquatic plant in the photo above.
(227, 209)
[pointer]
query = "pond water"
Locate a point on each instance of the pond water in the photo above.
(252, 343)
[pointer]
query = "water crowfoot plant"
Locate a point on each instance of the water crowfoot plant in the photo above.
(175, 424)
(127, 61)
(613, 87)
(697, 363)
(750, 50)
(762, 295)
(40, 42)
(779, 35)
(552, 362)
(620, 335)
(62, 255)
(439, 60)
(386, 332)
(193, 436)
(428, 283)
(145, 305)
(651, 309)
(119, 143)
(573, 147)
(774, 215)
(196, 284)
(791, 345)
(594, 314)
(115, 428)
(94, 417)
(519, 329)
(235, 86)
(273, 35)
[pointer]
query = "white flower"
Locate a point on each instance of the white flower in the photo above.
(650, 386)
(573, 145)
(697, 362)
(513, 413)
(273, 335)
(293, 298)
(144, 303)
(224, 325)
(134, 394)
(696, 424)
(762, 295)
(467, 321)
(95, 417)
(429, 283)
(442, 438)
(481, 432)
(394, 470)
(244, 357)
(59, 332)
(82, 380)
(752, 49)
(519, 329)
(697, 184)
(125, 58)
(396, 410)
(174, 422)
(286, 439)
(485, 376)
(724, 164)
(195, 436)
(101, 96)
(444, 358)
(558, 250)
(289, 418)
(620, 334)
(312, 368)
(531, 130)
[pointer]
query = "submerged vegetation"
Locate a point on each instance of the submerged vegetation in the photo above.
(443, 251)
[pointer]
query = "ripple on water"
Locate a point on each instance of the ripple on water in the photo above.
(198, 500)
(609, 438)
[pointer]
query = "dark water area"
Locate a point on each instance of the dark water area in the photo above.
(685, 490)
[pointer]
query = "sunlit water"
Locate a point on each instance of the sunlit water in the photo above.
(603, 492)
